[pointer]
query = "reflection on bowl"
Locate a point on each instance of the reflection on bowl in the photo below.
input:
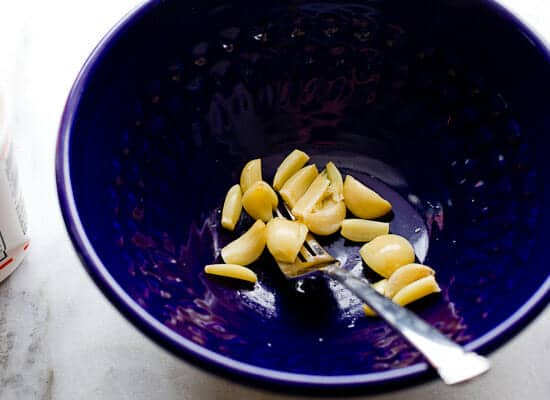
(440, 109)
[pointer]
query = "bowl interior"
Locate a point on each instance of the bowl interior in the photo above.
(443, 109)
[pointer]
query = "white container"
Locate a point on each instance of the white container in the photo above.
(13, 224)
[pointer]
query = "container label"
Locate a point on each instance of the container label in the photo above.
(3, 249)
(13, 222)
(13, 183)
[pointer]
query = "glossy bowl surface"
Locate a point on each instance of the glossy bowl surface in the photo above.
(442, 109)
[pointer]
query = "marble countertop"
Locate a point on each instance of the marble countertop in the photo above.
(59, 336)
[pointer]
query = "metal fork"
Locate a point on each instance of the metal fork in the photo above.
(453, 363)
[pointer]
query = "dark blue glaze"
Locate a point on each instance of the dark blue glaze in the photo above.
(441, 109)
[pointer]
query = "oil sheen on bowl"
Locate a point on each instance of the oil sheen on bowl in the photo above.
(441, 108)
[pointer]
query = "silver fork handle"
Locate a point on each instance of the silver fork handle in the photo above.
(451, 361)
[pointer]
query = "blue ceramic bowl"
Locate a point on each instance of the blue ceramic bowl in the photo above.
(443, 109)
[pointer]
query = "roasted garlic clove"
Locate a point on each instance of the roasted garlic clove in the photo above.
(232, 271)
(285, 238)
(369, 312)
(386, 253)
(326, 220)
(405, 275)
(336, 187)
(416, 290)
(362, 201)
(313, 195)
(297, 184)
(247, 248)
(251, 173)
(362, 230)
(409, 293)
(232, 207)
(260, 200)
(380, 287)
(290, 165)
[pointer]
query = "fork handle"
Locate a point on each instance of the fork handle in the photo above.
(451, 361)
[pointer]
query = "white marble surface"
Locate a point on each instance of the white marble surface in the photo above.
(59, 337)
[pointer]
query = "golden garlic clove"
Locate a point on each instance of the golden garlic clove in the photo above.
(405, 275)
(362, 230)
(416, 290)
(251, 173)
(407, 294)
(380, 287)
(232, 271)
(336, 187)
(313, 195)
(260, 200)
(290, 165)
(232, 207)
(369, 312)
(386, 253)
(326, 220)
(297, 184)
(285, 238)
(362, 201)
(247, 248)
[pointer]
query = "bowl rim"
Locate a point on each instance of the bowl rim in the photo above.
(207, 359)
